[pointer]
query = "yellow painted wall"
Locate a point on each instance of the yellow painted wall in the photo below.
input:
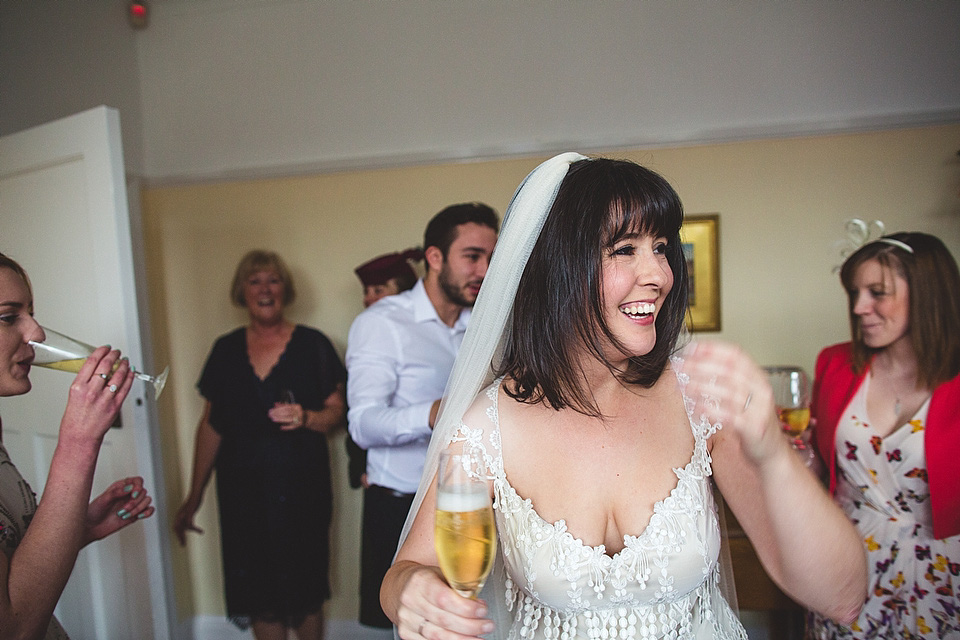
(782, 207)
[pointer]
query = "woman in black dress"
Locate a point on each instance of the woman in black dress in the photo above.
(273, 391)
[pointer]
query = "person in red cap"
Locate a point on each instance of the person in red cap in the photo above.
(388, 274)
(382, 276)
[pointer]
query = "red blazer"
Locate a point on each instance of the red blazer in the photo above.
(834, 386)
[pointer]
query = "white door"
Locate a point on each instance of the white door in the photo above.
(64, 217)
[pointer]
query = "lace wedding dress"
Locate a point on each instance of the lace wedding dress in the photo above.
(664, 583)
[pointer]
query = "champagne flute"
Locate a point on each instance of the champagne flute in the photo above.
(464, 534)
(791, 395)
(63, 353)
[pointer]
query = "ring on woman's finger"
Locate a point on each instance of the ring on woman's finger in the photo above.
(112, 388)
(103, 375)
(746, 403)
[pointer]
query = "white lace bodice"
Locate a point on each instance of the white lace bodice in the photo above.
(664, 583)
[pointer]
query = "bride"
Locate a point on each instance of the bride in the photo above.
(601, 445)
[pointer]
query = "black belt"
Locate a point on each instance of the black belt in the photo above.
(393, 493)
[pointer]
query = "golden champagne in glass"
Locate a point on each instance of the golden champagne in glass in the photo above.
(794, 421)
(64, 353)
(464, 533)
(791, 395)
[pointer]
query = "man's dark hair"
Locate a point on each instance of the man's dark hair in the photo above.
(442, 229)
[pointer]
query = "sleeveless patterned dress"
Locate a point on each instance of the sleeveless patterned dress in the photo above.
(913, 577)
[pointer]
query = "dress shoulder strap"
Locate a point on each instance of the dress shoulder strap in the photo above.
(480, 428)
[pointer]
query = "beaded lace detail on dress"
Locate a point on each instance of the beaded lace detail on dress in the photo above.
(664, 583)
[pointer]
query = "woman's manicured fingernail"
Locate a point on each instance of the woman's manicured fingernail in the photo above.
(135, 494)
(141, 516)
(128, 489)
(123, 514)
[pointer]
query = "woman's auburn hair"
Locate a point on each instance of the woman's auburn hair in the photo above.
(933, 288)
(558, 312)
(261, 260)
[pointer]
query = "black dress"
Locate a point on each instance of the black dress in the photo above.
(273, 486)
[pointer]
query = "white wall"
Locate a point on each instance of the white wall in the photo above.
(252, 88)
(241, 88)
(60, 58)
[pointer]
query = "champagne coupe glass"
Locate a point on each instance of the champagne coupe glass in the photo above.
(63, 353)
(791, 395)
(464, 535)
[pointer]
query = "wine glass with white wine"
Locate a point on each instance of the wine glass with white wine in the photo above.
(465, 535)
(63, 353)
(791, 396)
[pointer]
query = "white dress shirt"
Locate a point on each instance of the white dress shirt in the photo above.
(399, 356)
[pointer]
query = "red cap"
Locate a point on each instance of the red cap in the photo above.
(390, 265)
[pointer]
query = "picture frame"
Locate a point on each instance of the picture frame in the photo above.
(700, 237)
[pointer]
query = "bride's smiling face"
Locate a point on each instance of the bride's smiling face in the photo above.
(636, 278)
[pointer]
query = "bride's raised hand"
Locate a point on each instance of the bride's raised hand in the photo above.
(730, 388)
(430, 609)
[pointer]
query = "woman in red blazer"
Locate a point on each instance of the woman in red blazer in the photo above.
(887, 410)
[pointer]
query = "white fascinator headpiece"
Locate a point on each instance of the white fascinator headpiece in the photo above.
(858, 233)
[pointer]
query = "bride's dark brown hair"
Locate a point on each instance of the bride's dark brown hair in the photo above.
(558, 308)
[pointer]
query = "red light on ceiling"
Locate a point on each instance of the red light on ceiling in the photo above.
(138, 13)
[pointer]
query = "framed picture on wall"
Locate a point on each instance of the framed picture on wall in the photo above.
(700, 236)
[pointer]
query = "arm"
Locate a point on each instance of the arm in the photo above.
(373, 364)
(205, 454)
(804, 541)
(32, 579)
(414, 589)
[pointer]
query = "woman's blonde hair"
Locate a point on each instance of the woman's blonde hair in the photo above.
(260, 260)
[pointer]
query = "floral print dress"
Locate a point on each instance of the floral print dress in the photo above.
(913, 577)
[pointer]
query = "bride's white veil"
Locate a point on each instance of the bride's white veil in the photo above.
(473, 369)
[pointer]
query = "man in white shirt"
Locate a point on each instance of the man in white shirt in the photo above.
(400, 352)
